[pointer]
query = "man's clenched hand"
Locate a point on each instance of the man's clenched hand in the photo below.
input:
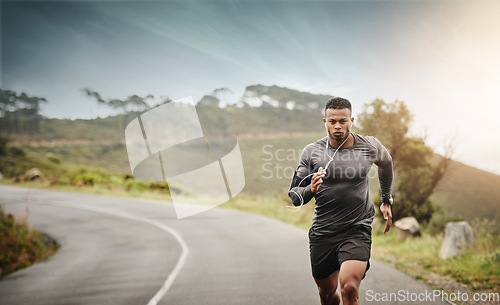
(317, 179)
(385, 209)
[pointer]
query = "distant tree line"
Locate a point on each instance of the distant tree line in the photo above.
(128, 108)
(19, 113)
(131, 103)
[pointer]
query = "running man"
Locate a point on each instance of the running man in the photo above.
(334, 170)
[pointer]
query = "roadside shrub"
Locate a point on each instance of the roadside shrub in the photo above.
(141, 186)
(136, 185)
(21, 246)
(87, 179)
(438, 222)
(53, 158)
(10, 167)
(404, 208)
(4, 139)
(158, 185)
(16, 152)
(115, 180)
(486, 234)
(493, 260)
(91, 177)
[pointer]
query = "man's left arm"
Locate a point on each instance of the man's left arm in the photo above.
(385, 175)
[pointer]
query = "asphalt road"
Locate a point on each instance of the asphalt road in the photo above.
(118, 250)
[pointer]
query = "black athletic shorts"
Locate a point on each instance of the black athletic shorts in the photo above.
(327, 254)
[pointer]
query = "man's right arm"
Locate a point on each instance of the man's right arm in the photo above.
(300, 186)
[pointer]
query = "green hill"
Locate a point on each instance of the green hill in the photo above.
(269, 163)
(271, 138)
(469, 192)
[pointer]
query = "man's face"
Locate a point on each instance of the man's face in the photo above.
(338, 123)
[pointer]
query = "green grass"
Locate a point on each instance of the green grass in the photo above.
(479, 267)
(108, 155)
(20, 245)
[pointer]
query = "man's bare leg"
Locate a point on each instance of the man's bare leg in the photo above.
(351, 273)
(328, 289)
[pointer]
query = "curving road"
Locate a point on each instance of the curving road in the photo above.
(118, 250)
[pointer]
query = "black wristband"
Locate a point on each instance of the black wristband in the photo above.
(389, 202)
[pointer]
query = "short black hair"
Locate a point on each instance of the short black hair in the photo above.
(338, 103)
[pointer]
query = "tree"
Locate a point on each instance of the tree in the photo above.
(417, 169)
(212, 100)
(127, 106)
(208, 101)
(211, 116)
(132, 102)
(388, 122)
(19, 112)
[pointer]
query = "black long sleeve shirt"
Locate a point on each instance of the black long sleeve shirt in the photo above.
(343, 199)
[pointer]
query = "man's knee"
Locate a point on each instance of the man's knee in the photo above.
(350, 290)
(351, 274)
(327, 289)
(329, 296)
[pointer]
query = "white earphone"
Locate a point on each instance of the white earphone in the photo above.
(297, 208)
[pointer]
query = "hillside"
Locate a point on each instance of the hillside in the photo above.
(468, 191)
(272, 125)
(269, 163)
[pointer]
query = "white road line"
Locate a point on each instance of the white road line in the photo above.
(180, 263)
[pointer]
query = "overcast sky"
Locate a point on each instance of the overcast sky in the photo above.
(441, 57)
